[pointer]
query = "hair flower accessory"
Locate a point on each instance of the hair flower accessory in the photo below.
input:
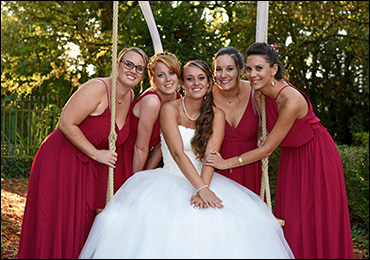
(275, 47)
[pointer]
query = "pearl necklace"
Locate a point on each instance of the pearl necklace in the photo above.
(186, 112)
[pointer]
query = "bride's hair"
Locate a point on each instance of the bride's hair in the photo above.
(203, 129)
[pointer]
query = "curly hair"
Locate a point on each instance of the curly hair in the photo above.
(203, 131)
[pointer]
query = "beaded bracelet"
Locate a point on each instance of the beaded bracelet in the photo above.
(240, 160)
(205, 186)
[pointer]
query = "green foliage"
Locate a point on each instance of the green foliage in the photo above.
(361, 139)
(361, 236)
(356, 173)
(324, 46)
(184, 30)
(16, 167)
(25, 123)
(327, 58)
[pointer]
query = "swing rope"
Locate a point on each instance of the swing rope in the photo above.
(261, 36)
(113, 135)
(158, 48)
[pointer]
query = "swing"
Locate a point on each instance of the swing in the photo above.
(261, 36)
(145, 7)
(112, 133)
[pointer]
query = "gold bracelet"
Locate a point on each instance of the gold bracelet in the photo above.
(240, 160)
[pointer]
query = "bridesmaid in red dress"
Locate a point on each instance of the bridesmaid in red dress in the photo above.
(142, 149)
(235, 97)
(68, 178)
(311, 194)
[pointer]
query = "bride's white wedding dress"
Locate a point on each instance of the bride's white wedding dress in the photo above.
(150, 216)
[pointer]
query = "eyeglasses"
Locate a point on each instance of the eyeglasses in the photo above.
(129, 66)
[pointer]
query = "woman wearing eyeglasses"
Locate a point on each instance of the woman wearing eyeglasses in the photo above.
(142, 148)
(68, 179)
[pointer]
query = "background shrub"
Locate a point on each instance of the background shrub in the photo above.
(360, 139)
(356, 173)
(16, 167)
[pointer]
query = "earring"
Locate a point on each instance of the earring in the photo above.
(273, 82)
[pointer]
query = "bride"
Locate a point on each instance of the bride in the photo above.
(185, 209)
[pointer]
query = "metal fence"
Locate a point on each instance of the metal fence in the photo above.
(25, 122)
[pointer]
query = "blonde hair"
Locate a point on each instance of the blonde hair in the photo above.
(138, 51)
(133, 49)
(167, 58)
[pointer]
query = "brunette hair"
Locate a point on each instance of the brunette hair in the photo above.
(233, 53)
(270, 53)
(203, 130)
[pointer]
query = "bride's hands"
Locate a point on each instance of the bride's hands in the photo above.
(197, 202)
(210, 198)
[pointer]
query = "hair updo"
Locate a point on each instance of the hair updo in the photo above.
(233, 53)
(270, 53)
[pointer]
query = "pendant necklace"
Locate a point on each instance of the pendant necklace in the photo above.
(186, 112)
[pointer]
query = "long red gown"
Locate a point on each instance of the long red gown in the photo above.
(241, 140)
(65, 188)
(311, 193)
(127, 150)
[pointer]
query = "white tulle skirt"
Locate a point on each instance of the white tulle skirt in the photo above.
(150, 216)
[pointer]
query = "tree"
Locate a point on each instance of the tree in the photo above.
(325, 48)
(323, 44)
(330, 44)
(34, 49)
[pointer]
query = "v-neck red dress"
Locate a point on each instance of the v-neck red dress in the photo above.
(241, 140)
(65, 188)
(311, 193)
